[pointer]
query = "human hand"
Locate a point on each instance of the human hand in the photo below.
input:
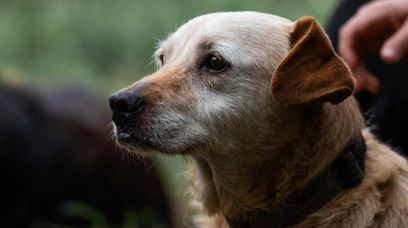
(379, 26)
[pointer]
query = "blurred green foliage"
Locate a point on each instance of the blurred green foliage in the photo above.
(145, 217)
(105, 43)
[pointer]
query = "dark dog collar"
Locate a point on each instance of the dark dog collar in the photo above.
(346, 171)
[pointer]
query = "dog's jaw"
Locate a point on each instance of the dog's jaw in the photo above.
(153, 144)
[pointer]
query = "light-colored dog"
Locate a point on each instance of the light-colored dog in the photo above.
(263, 107)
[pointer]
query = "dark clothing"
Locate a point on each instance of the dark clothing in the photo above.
(387, 111)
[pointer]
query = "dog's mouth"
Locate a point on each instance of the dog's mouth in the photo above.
(144, 144)
(130, 142)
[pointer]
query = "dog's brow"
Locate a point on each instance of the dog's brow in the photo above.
(216, 45)
(228, 50)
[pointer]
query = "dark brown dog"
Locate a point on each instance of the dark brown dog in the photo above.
(55, 154)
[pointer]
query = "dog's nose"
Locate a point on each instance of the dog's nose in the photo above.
(126, 104)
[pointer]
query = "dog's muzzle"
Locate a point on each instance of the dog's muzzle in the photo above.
(126, 106)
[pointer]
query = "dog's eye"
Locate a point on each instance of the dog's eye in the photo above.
(215, 64)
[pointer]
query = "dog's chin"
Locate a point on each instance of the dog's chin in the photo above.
(139, 149)
(147, 147)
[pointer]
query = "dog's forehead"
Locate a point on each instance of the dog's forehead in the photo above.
(232, 32)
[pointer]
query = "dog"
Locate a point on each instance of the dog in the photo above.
(59, 169)
(263, 108)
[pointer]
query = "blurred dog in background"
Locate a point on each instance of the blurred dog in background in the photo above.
(58, 166)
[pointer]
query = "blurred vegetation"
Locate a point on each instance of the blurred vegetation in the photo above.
(107, 44)
(146, 217)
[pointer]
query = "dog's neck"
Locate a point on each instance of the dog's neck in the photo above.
(240, 181)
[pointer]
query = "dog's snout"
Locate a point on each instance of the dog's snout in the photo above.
(126, 104)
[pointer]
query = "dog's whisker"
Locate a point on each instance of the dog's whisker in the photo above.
(152, 165)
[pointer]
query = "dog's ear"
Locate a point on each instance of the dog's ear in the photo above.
(311, 71)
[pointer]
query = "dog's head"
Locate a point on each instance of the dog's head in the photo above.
(225, 80)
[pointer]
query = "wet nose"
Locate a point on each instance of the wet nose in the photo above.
(125, 105)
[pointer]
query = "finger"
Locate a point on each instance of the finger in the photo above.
(365, 80)
(373, 84)
(396, 46)
(347, 45)
(361, 81)
(362, 34)
(353, 35)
